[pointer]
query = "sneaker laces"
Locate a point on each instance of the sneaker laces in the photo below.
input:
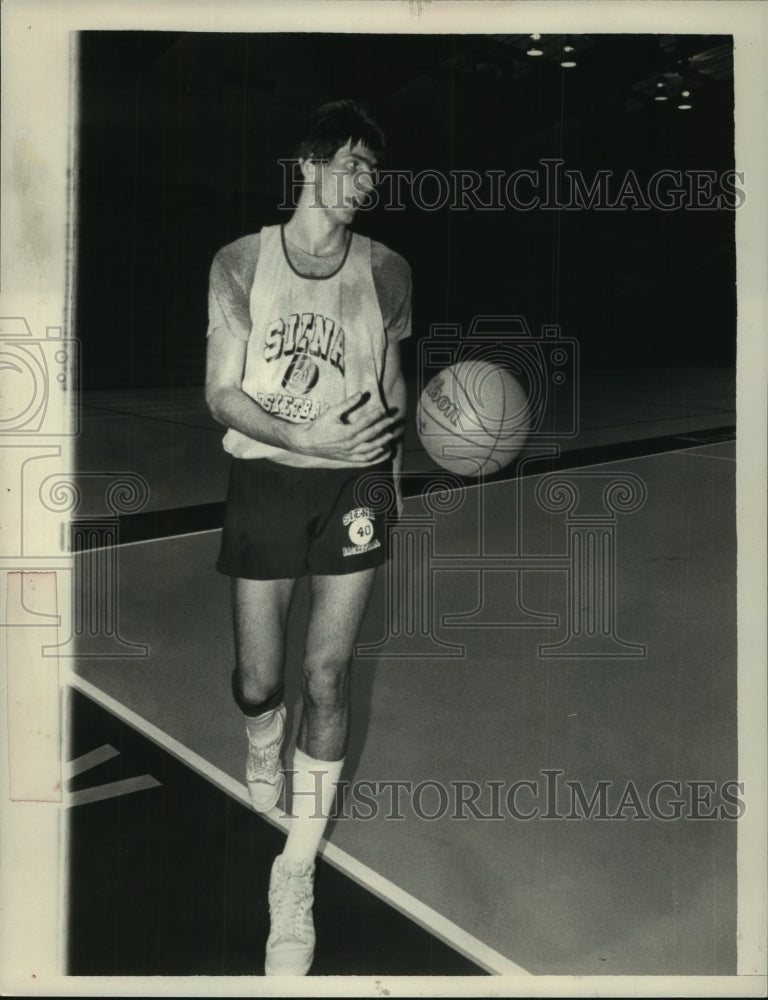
(262, 759)
(290, 899)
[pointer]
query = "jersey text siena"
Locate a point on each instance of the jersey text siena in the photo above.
(314, 341)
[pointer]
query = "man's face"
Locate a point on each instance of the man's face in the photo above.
(343, 182)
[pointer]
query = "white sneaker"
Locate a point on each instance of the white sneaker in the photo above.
(262, 768)
(291, 942)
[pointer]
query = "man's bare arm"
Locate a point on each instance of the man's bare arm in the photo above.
(360, 439)
(395, 395)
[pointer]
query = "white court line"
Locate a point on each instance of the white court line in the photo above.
(466, 486)
(89, 760)
(695, 453)
(608, 461)
(448, 932)
(112, 790)
(147, 541)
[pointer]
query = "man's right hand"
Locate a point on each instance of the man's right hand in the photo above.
(351, 431)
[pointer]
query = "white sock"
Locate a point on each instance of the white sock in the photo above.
(314, 788)
(265, 728)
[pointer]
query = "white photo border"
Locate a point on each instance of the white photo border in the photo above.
(38, 145)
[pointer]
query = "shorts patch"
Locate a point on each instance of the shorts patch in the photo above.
(361, 527)
(283, 522)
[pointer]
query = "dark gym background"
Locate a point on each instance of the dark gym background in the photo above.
(180, 136)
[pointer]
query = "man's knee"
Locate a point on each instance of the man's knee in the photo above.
(325, 682)
(254, 696)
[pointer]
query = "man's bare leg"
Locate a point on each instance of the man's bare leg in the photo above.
(338, 606)
(260, 612)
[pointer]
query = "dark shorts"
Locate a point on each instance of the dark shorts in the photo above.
(283, 522)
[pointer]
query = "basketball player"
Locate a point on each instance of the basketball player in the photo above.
(303, 368)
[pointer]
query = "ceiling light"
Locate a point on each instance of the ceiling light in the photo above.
(534, 50)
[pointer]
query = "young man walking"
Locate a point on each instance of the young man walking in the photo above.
(303, 368)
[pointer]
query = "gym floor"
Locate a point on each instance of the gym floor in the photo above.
(168, 863)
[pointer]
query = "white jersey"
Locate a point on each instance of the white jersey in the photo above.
(314, 341)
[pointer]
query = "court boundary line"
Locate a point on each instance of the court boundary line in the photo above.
(685, 452)
(199, 510)
(383, 888)
(716, 458)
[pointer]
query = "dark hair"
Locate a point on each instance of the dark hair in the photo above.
(332, 125)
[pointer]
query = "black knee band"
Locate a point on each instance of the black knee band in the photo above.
(254, 708)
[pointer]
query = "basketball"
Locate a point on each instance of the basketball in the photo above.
(473, 418)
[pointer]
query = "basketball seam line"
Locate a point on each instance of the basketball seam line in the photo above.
(452, 431)
(489, 457)
(473, 407)
(501, 424)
